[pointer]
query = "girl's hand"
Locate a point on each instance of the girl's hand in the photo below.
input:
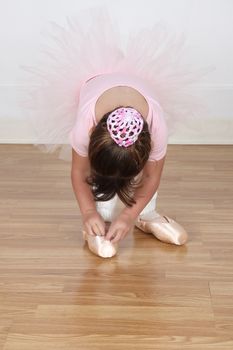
(94, 223)
(119, 228)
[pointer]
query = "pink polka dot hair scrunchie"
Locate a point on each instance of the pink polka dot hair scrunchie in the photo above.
(124, 125)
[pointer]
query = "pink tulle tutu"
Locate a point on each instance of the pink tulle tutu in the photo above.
(89, 45)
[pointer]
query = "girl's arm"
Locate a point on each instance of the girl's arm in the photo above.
(150, 182)
(79, 171)
(125, 220)
(93, 222)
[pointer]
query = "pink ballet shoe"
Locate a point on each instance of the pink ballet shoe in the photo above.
(163, 228)
(100, 246)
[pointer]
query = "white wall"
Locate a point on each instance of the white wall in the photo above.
(209, 27)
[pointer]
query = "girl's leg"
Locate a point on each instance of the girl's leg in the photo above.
(149, 208)
(162, 227)
(107, 209)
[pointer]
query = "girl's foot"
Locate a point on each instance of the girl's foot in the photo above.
(100, 246)
(162, 227)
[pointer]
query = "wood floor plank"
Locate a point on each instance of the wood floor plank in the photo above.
(55, 294)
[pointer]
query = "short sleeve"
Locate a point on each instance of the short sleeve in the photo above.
(159, 134)
(79, 134)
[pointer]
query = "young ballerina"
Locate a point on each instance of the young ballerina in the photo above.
(115, 105)
(119, 144)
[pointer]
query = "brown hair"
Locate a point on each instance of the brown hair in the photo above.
(113, 168)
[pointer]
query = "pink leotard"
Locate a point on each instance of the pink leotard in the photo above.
(85, 120)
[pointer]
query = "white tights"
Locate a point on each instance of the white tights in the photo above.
(107, 209)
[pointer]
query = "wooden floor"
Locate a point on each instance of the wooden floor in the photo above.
(56, 295)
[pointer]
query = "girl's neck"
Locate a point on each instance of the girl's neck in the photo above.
(120, 96)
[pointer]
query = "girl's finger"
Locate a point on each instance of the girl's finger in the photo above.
(117, 237)
(89, 230)
(96, 229)
(101, 229)
(110, 234)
